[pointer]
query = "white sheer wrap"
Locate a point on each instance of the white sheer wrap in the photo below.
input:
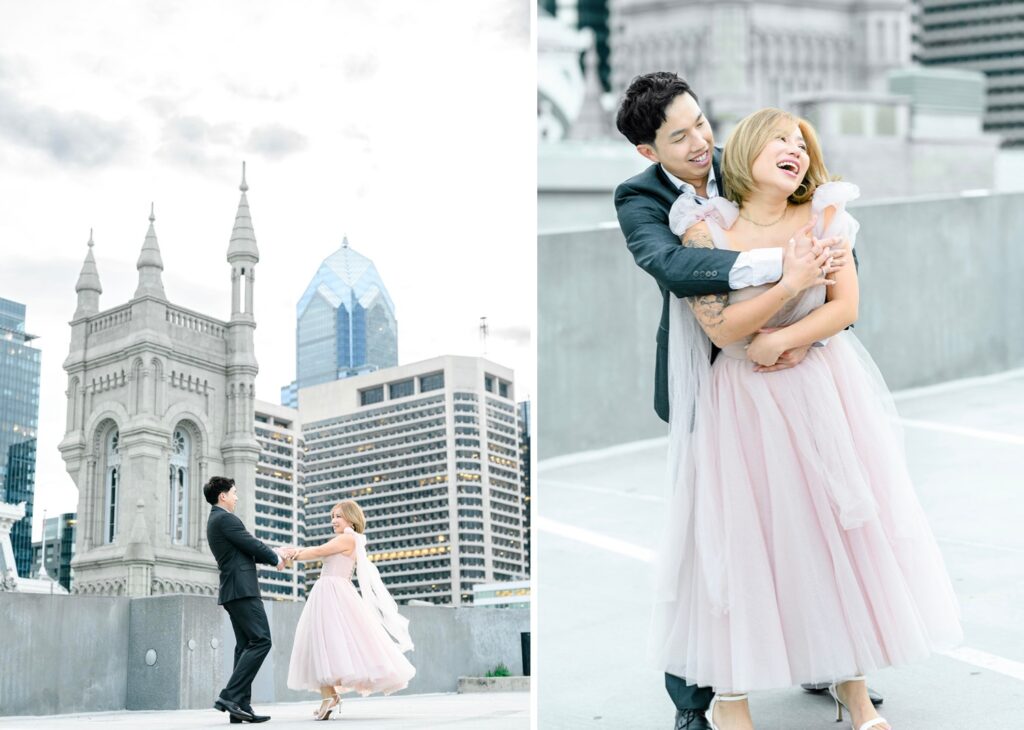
(689, 368)
(376, 595)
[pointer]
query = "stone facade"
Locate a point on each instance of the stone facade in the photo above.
(740, 57)
(159, 399)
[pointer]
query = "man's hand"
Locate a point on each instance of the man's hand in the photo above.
(785, 359)
(286, 554)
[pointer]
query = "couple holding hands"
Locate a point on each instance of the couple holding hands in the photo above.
(344, 641)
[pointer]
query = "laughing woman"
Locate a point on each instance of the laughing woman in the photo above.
(797, 550)
(345, 642)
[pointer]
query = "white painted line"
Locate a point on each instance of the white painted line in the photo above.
(595, 539)
(950, 385)
(583, 457)
(982, 659)
(982, 545)
(620, 493)
(1005, 438)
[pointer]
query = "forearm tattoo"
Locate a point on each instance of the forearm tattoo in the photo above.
(709, 309)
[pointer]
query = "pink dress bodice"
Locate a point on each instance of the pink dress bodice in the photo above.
(338, 565)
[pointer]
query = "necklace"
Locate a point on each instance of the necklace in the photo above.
(765, 225)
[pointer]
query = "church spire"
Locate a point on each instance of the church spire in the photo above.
(150, 265)
(243, 238)
(88, 286)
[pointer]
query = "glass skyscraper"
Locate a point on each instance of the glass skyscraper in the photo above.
(19, 419)
(345, 324)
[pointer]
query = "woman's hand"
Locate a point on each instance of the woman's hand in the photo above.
(803, 270)
(765, 349)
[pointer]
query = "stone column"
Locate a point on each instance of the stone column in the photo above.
(251, 276)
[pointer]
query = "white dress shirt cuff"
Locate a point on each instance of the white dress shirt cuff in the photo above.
(756, 267)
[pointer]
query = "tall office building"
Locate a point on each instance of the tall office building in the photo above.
(982, 35)
(58, 544)
(280, 513)
(19, 419)
(345, 323)
(523, 413)
(430, 450)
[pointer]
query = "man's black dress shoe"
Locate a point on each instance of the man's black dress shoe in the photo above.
(690, 720)
(236, 710)
(255, 717)
(876, 699)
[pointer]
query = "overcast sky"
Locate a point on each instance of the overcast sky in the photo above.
(407, 125)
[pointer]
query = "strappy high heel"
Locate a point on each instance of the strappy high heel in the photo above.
(327, 706)
(709, 714)
(840, 705)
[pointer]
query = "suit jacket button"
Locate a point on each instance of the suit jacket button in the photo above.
(696, 273)
(714, 273)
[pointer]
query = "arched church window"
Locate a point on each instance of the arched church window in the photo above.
(179, 486)
(112, 482)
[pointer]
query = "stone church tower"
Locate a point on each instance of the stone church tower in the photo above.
(159, 399)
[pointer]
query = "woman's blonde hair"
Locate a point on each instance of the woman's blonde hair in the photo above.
(351, 512)
(747, 141)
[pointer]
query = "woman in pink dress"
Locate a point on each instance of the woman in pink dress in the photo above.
(345, 642)
(797, 551)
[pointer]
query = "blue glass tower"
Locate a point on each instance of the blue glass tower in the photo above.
(19, 419)
(345, 323)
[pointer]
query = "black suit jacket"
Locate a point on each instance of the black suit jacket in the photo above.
(642, 204)
(237, 553)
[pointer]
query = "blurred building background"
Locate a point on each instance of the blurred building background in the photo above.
(910, 98)
(19, 419)
(58, 547)
(985, 36)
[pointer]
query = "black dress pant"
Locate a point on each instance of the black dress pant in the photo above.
(252, 644)
(687, 696)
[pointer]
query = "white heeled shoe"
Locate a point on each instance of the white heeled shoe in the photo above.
(709, 714)
(840, 705)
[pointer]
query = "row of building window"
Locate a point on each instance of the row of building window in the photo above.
(365, 440)
(977, 4)
(384, 447)
(359, 421)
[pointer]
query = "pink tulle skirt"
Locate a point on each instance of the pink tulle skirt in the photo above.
(339, 643)
(808, 557)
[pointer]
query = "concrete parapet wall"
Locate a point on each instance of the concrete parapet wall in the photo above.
(83, 653)
(63, 653)
(939, 301)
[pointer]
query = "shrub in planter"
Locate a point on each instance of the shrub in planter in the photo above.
(499, 671)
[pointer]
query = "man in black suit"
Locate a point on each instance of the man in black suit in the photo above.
(661, 116)
(237, 553)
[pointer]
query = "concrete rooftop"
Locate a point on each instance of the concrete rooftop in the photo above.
(600, 521)
(498, 710)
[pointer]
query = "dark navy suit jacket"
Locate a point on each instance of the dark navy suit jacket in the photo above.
(642, 204)
(237, 553)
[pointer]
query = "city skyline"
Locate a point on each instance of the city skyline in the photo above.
(97, 125)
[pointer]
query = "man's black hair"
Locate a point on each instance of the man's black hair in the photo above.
(215, 487)
(642, 110)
